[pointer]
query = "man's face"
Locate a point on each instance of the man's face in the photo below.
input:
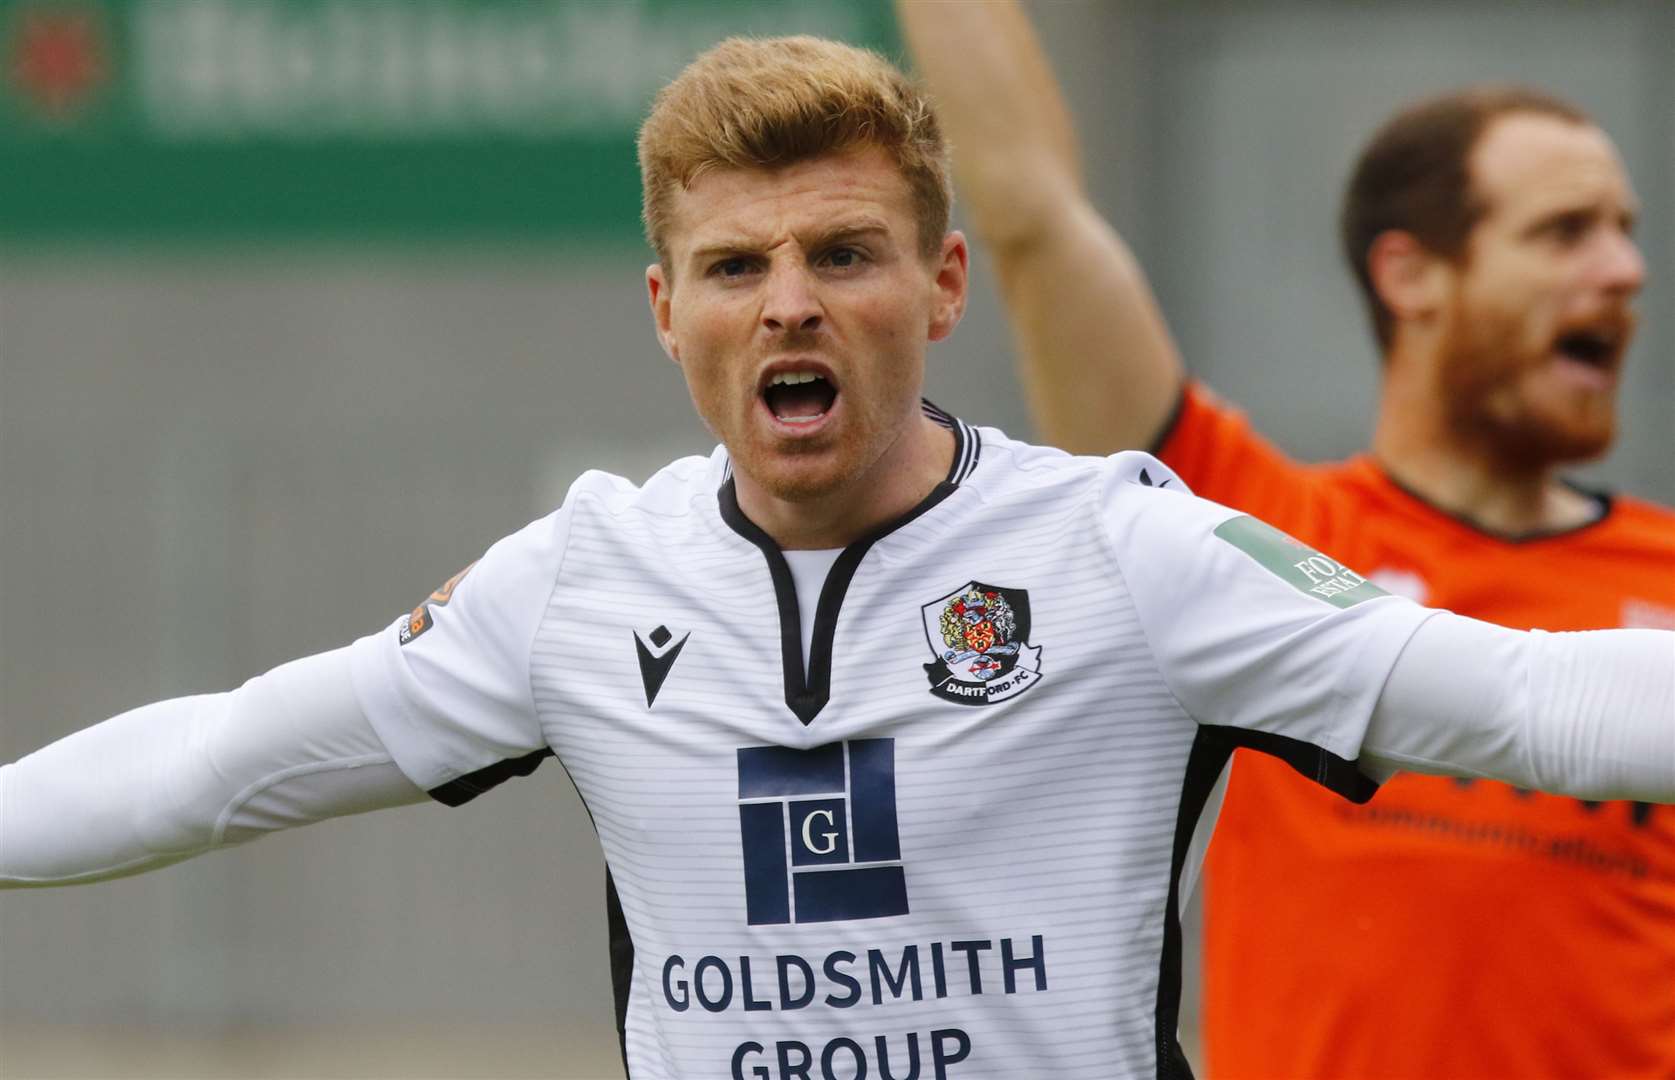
(1541, 307)
(799, 305)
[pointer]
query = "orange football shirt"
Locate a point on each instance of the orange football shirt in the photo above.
(1447, 929)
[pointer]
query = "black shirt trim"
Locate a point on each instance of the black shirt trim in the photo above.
(1337, 775)
(1204, 767)
(622, 963)
(461, 790)
(808, 687)
(1210, 753)
(1605, 500)
(1170, 423)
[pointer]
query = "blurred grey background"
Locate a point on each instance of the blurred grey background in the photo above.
(223, 448)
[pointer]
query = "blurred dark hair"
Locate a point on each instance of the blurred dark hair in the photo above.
(1415, 175)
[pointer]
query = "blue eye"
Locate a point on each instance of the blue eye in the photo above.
(730, 267)
(843, 258)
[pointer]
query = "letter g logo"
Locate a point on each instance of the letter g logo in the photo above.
(828, 836)
(798, 814)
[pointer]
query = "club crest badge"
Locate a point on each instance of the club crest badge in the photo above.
(979, 635)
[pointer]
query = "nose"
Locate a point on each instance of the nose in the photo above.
(790, 300)
(1622, 268)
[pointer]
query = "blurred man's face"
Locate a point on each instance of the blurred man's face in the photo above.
(1541, 312)
(799, 306)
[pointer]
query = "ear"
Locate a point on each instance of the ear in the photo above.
(952, 275)
(1411, 279)
(658, 292)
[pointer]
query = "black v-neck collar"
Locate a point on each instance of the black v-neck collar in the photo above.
(1603, 501)
(806, 694)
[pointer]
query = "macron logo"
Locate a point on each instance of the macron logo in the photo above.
(1146, 479)
(657, 658)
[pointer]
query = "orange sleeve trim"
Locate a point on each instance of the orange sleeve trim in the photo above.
(1213, 447)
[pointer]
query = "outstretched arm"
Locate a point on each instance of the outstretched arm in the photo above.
(1101, 371)
(438, 702)
(1588, 714)
(1269, 644)
(168, 781)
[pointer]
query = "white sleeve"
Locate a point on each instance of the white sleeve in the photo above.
(1585, 714)
(1263, 641)
(448, 686)
(171, 780)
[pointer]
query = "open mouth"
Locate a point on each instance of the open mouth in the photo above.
(1597, 349)
(799, 397)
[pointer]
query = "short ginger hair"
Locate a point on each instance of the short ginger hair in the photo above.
(1415, 176)
(765, 103)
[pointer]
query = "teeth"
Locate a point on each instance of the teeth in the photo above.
(792, 378)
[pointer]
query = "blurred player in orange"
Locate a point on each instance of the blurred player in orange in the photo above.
(1448, 929)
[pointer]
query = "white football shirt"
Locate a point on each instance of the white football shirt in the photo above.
(954, 848)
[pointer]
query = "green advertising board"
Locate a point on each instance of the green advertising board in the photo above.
(264, 120)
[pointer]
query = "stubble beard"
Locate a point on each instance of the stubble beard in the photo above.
(797, 481)
(847, 465)
(1484, 361)
(797, 474)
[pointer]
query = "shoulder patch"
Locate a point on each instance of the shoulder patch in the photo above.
(1297, 564)
(421, 619)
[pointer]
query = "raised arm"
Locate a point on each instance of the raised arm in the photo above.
(1100, 369)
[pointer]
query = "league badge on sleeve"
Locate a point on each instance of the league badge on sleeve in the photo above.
(1297, 564)
(421, 619)
(979, 635)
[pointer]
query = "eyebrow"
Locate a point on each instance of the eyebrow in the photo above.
(741, 245)
(852, 231)
(1628, 212)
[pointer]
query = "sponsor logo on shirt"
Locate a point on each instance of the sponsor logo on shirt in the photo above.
(821, 845)
(819, 833)
(979, 635)
(1297, 564)
(421, 619)
(893, 976)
